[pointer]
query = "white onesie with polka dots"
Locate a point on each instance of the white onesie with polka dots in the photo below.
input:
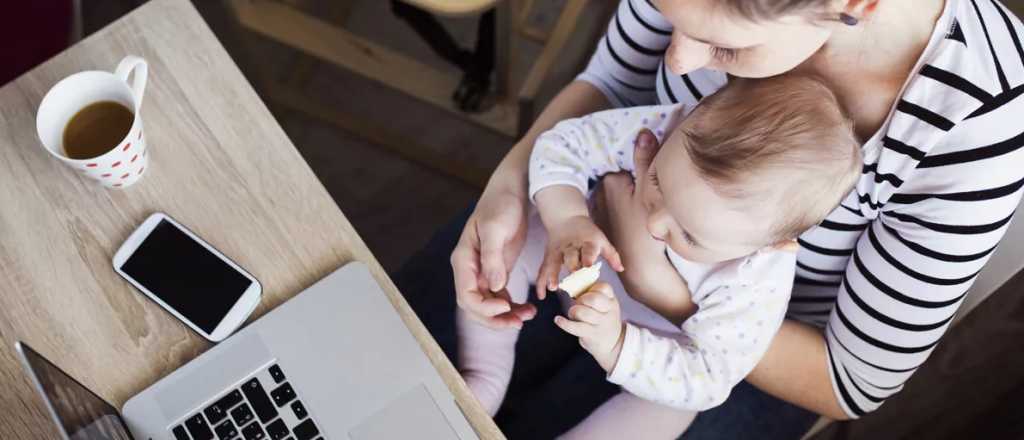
(741, 302)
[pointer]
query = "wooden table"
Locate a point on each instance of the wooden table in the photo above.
(220, 164)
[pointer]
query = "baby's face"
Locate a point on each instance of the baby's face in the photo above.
(690, 217)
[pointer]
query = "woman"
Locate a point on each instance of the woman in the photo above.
(933, 88)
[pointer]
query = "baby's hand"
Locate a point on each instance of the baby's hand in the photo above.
(597, 320)
(574, 242)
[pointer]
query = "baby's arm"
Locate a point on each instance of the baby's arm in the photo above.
(581, 149)
(564, 159)
(719, 346)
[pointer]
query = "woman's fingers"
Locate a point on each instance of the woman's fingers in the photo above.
(468, 294)
(492, 242)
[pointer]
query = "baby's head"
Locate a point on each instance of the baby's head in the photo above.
(755, 165)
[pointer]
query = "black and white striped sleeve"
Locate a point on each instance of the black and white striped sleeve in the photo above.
(626, 62)
(913, 265)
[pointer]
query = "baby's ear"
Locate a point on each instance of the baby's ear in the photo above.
(787, 245)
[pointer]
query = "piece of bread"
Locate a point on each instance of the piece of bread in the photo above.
(579, 281)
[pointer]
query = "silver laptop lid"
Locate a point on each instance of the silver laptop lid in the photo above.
(78, 412)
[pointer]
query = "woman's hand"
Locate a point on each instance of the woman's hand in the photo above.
(489, 245)
(494, 235)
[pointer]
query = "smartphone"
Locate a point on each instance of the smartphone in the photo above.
(187, 277)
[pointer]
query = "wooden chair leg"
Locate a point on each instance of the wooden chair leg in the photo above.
(338, 12)
(563, 29)
(502, 47)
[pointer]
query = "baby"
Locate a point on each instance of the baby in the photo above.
(738, 178)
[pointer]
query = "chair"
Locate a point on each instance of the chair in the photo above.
(510, 116)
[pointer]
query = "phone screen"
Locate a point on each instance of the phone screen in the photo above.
(195, 282)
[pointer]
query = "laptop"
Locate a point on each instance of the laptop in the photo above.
(334, 362)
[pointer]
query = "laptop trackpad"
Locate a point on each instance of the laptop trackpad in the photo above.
(414, 415)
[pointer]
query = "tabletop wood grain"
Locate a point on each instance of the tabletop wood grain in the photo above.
(219, 164)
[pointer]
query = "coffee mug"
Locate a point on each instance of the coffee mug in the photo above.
(125, 162)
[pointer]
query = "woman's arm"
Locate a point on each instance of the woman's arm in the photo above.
(908, 274)
(795, 369)
(494, 234)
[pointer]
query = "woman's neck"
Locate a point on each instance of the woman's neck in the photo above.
(895, 34)
(866, 65)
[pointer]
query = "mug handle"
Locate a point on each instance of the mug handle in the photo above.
(138, 84)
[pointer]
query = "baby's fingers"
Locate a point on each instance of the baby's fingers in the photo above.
(571, 258)
(547, 277)
(585, 314)
(611, 255)
(602, 248)
(591, 250)
(597, 301)
(575, 328)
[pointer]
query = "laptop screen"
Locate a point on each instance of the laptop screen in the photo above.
(80, 413)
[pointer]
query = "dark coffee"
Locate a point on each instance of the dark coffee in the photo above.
(97, 129)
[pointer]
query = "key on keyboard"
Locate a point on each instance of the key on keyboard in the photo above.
(299, 410)
(306, 430)
(277, 430)
(242, 415)
(226, 430)
(257, 397)
(276, 373)
(179, 433)
(198, 428)
(283, 394)
(253, 432)
(219, 410)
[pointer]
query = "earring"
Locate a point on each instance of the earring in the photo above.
(848, 19)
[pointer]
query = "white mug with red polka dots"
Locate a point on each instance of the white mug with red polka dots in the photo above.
(122, 165)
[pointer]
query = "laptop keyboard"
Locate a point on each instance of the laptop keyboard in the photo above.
(251, 412)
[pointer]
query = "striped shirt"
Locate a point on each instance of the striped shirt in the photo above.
(885, 273)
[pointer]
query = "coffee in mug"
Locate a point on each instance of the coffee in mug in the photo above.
(91, 122)
(96, 129)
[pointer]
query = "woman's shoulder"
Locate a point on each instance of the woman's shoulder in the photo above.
(985, 37)
(961, 111)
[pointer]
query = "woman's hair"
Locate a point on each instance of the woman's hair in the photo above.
(758, 10)
(782, 141)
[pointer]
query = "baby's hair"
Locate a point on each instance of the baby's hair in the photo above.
(783, 140)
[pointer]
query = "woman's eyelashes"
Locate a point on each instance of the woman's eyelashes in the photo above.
(688, 239)
(724, 55)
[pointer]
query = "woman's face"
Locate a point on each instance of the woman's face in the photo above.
(707, 34)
